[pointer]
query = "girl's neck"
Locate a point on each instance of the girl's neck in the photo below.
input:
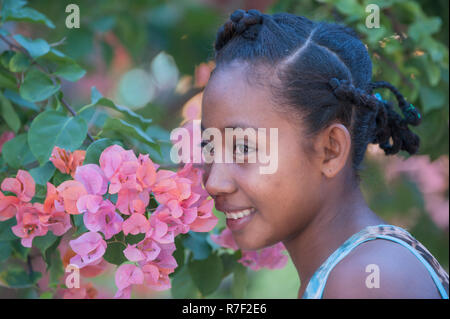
(337, 220)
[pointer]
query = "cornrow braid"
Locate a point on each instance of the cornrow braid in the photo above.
(245, 23)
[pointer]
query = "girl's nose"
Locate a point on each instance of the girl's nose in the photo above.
(217, 180)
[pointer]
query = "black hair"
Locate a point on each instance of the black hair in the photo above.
(325, 71)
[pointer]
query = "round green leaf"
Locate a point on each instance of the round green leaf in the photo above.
(37, 86)
(36, 47)
(52, 128)
(206, 273)
(16, 152)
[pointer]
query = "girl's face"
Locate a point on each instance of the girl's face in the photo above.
(284, 201)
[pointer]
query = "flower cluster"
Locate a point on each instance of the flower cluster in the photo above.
(183, 205)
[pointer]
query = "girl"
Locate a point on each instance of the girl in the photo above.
(312, 81)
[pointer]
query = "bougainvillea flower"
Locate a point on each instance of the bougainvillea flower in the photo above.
(65, 161)
(127, 275)
(127, 204)
(269, 257)
(119, 167)
(105, 219)
(8, 206)
(29, 223)
(89, 248)
(92, 178)
(150, 248)
(135, 224)
(163, 280)
(70, 191)
(22, 185)
(134, 254)
(206, 220)
(146, 173)
(89, 203)
(58, 223)
(225, 239)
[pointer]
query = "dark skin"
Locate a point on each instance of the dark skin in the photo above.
(310, 203)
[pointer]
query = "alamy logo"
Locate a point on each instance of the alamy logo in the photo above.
(373, 19)
(373, 280)
(73, 278)
(73, 19)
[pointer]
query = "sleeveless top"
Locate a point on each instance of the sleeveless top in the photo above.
(316, 285)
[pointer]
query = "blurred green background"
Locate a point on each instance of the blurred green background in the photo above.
(144, 54)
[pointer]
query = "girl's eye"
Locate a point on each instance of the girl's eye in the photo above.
(243, 149)
(208, 146)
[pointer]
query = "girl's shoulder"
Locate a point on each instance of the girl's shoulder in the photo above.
(382, 261)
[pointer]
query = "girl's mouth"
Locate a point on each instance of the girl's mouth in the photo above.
(239, 219)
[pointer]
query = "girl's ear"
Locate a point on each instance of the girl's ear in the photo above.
(333, 145)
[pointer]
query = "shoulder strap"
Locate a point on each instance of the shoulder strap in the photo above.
(316, 285)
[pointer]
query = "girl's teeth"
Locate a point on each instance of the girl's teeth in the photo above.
(240, 214)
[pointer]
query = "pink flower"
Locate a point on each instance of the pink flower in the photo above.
(119, 167)
(22, 185)
(67, 162)
(89, 248)
(29, 223)
(8, 206)
(225, 239)
(105, 219)
(205, 220)
(69, 193)
(92, 178)
(146, 173)
(131, 201)
(127, 275)
(136, 224)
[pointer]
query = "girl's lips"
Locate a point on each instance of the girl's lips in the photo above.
(238, 224)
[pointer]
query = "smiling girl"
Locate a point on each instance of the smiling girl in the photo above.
(312, 81)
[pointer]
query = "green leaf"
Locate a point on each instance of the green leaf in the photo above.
(7, 81)
(44, 242)
(127, 129)
(19, 62)
(42, 174)
(56, 269)
(52, 128)
(70, 71)
(182, 285)
(98, 99)
(17, 99)
(6, 57)
(50, 253)
(37, 86)
(134, 239)
(16, 152)
(206, 273)
(59, 178)
(19, 278)
(5, 250)
(5, 229)
(240, 281)
(424, 27)
(229, 262)
(94, 150)
(198, 244)
(20, 251)
(35, 48)
(114, 253)
(28, 15)
(431, 98)
(79, 224)
(9, 114)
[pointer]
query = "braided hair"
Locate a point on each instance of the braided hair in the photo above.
(324, 73)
